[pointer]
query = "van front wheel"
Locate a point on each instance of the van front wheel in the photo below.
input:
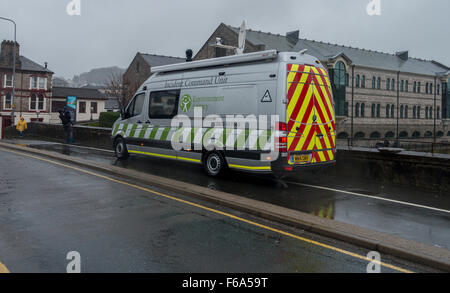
(120, 148)
(214, 164)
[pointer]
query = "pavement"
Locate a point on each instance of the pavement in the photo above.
(92, 150)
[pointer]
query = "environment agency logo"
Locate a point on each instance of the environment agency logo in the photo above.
(186, 103)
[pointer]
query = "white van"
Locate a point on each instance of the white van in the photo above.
(291, 86)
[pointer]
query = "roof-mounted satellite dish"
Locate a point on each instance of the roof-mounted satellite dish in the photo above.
(241, 41)
(303, 51)
(242, 38)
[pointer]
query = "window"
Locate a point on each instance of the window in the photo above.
(418, 87)
(373, 111)
(357, 80)
(431, 113)
(94, 107)
(402, 85)
(392, 111)
(163, 104)
(8, 80)
(340, 75)
(388, 82)
(418, 112)
(135, 106)
(431, 88)
(37, 102)
(347, 77)
(373, 82)
(438, 89)
(406, 111)
(426, 112)
(379, 83)
(437, 113)
(363, 110)
(401, 112)
(357, 110)
(414, 112)
(414, 87)
(378, 110)
(58, 105)
(387, 110)
(38, 83)
(363, 81)
(406, 86)
(7, 101)
(82, 106)
(393, 84)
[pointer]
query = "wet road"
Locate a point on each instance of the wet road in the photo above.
(48, 210)
(409, 213)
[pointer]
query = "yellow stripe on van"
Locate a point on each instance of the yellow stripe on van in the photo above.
(165, 156)
(250, 167)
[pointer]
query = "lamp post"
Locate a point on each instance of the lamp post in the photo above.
(14, 68)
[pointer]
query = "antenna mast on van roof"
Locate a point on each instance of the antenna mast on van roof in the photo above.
(241, 40)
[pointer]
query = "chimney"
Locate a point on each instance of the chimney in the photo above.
(6, 54)
(292, 37)
(45, 64)
(402, 55)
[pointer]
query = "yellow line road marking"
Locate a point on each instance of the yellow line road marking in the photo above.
(3, 269)
(355, 255)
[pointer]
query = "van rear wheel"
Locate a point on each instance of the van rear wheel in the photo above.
(214, 164)
(120, 149)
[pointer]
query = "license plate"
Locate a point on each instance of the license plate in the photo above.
(301, 158)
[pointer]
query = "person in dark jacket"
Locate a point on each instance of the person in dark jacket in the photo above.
(66, 120)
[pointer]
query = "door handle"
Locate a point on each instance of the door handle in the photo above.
(148, 121)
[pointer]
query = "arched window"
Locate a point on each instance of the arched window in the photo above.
(418, 112)
(373, 82)
(416, 134)
(403, 134)
(402, 85)
(357, 110)
(438, 89)
(379, 83)
(392, 111)
(426, 88)
(438, 114)
(387, 110)
(7, 103)
(393, 84)
(418, 87)
(363, 81)
(428, 134)
(373, 111)
(389, 134)
(342, 135)
(426, 112)
(388, 83)
(431, 113)
(339, 73)
(363, 110)
(360, 135)
(440, 134)
(406, 111)
(378, 110)
(415, 86)
(414, 112)
(401, 112)
(375, 134)
(431, 88)
(357, 80)
(406, 86)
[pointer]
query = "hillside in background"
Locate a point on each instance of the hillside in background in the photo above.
(95, 77)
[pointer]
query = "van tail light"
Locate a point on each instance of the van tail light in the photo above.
(282, 138)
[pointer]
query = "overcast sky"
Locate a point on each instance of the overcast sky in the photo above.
(110, 32)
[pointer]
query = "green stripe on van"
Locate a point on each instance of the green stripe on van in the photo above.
(154, 131)
(165, 133)
(143, 131)
(133, 130)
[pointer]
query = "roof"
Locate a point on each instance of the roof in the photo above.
(81, 93)
(159, 60)
(29, 65)
(359, 57)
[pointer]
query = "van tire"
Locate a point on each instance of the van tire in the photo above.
(120, 149)
(214, 164)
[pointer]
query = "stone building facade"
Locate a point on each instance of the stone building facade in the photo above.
(377, 95)
(33, 86)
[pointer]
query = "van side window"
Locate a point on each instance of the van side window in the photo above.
(135, 106)
(163, 104)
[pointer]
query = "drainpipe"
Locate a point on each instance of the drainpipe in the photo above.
(398, 102)
(435, 112)
(353, 93)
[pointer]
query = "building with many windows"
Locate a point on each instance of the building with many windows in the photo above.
(33, 91)
(377, 95)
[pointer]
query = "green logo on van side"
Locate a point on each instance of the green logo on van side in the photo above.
(186, 103)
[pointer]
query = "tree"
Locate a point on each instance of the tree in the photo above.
(114, 88)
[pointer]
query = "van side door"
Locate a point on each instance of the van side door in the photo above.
(162, 107)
